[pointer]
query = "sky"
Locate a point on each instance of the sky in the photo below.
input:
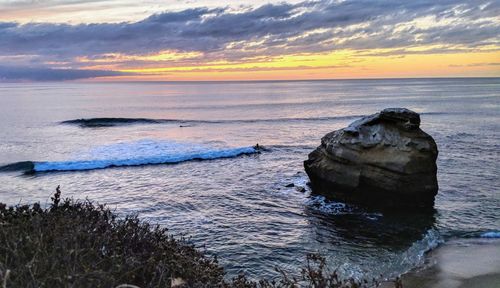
(207, 40)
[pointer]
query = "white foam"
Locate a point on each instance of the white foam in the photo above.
(431, 240)
(142, 152)
(320, 203)
(491, 234)
(329, 207)
(414, 256)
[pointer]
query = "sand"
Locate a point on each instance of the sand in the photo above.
(471, 263)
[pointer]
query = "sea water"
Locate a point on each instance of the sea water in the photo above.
(182, 155)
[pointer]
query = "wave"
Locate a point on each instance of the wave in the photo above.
(167, 159)
(491, 234)
(112, 121)
(132, 154)
(18, 166)
(414, 256)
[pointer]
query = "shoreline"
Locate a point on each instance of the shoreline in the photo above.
(459, 263)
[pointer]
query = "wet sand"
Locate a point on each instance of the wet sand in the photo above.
(471, 263)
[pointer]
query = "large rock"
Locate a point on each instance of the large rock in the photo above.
(383, 160)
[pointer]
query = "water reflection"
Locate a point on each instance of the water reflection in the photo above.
(392, 231)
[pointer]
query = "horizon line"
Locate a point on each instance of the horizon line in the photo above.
(96, 81)
(279, 80)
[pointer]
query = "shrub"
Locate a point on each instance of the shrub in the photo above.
(79, 244)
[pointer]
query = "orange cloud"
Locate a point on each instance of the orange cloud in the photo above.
(340, 64)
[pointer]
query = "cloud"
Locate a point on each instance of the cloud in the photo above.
(477, 64)
(272, 29)
(47, 74)
(251, 69)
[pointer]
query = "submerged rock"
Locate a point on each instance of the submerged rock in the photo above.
(300, 189)
(383, 160)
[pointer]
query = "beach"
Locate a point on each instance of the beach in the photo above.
(464, 263)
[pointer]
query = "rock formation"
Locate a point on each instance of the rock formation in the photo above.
(383, 160)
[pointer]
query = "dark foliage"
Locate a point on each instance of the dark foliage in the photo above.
(79, 244)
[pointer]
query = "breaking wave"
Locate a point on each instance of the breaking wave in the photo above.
(145, 152)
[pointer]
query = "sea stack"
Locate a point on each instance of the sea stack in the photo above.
(380, 161)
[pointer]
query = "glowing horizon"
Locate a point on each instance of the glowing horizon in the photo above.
(282, 41)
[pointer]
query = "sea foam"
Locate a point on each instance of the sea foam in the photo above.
(144, 152)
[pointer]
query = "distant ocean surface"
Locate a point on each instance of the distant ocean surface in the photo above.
(209, 185)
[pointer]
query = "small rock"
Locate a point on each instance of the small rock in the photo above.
(177, 282)
(289, 185)
(300, 189)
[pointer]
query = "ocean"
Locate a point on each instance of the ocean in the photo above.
(181, 155)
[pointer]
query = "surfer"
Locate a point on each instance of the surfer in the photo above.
(259, 148)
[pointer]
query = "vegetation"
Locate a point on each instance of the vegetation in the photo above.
(79, 244)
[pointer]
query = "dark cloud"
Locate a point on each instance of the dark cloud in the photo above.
(307, 27)
(47, 74)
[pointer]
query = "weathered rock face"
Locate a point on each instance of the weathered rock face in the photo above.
(383, 160)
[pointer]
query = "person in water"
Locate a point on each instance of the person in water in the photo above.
(260, 148)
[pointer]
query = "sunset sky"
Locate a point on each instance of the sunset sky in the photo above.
(174, 40)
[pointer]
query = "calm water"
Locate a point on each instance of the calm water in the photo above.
(239, 208)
